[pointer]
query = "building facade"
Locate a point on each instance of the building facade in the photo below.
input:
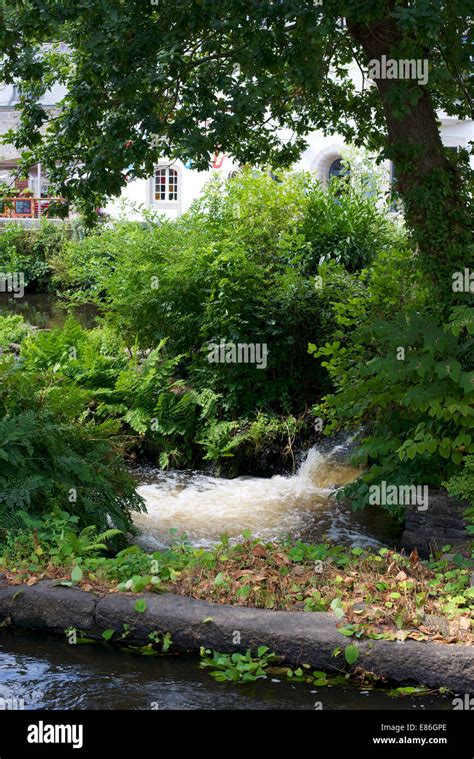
(174, 185)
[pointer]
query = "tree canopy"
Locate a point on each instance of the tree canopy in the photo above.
(251, 79)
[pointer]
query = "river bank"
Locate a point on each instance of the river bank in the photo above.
(402, 601)
(296, 638)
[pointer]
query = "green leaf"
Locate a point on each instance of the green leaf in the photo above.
(166, 642)
(140, 605)
(76, 574)
(348, 631)
(351, 653)
(337, 607)
(219, 579)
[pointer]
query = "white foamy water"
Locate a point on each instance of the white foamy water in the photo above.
(204, 507)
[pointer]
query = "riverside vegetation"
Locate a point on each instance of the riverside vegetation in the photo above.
(330, 283)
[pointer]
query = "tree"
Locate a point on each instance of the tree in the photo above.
(252, 79)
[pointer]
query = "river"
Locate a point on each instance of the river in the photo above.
(43, 672)
(39, 671)
(301, 506)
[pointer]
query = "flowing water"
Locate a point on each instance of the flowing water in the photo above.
(45, 672)
(41, 672)
(302, 506)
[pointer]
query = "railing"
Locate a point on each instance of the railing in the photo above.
(30, 208)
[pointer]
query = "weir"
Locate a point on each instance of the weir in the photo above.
(204, 507)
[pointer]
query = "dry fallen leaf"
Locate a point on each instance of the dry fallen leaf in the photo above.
(280, 558)
(299, 570)
(414, 558)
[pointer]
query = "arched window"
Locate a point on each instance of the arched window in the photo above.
(338, 170)
(166, 185)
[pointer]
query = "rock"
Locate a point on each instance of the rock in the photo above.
(436, 624)
(298, 637)
(45, 606)
(441, 524)
(431, 664)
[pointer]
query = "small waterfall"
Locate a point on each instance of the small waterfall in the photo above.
(204, 507)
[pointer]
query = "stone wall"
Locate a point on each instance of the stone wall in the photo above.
(441, 524)
(296, 636)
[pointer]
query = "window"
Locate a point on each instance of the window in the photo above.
(166, 185)
(452, 150)
(337, 169)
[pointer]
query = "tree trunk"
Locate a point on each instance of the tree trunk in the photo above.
(430, 185)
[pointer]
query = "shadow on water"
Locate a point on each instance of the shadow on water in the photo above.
(48, 673)
(45, 312)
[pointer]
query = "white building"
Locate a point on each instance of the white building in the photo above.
(174, 185)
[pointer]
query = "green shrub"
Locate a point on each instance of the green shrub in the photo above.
(157, 413)
(31, 250)
(238, 267)
(55, 456)
(404, 376)
(13, 329)
(462, 485)
(54, 539)
(346, 227)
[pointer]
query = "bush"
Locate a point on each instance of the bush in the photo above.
(239, 267)
(404, 375)
(31, 250)
(54, 456)
(347, 227)
(58, 539)
(462, 485)
(13, 329)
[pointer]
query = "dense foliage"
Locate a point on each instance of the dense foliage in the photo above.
(55, 455)
(29, 251)
(243, 267)
(405, 374)
(133, 396)
(281, 263)
(159, 82)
